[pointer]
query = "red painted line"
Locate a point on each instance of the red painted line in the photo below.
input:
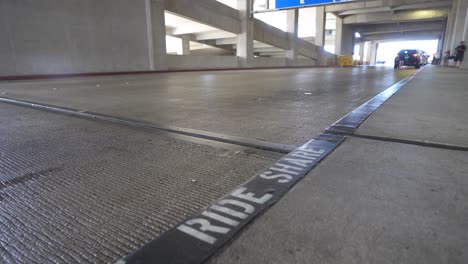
(91, 74)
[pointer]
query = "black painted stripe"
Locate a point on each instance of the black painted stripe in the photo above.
(246, 142)
(194, 241)
(189, 242)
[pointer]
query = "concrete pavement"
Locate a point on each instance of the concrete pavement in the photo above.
(74, 190)
(375, 201)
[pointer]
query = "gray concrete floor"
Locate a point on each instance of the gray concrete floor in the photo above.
(80, 191)
(118, 186)
(369, 202)
(375, 201)
(429, 109)
(286, 106)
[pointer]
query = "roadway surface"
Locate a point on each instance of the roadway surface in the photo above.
(281, 106)
(80, 190)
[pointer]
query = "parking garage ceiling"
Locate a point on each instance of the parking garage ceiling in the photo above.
(375, 20)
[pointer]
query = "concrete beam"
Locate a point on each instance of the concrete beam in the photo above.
(425, 5)
(214, 35)
(189, 29)
(209, 12)
(362, 5)
(307, 49)
(399, 27)
(226, 41)
(422, 35)
(271, 49)
(403, 16)
(270, 35)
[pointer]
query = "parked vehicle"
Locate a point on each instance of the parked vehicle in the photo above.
(411, 57)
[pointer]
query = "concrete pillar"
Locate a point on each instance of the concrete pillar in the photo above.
(465, 37)
(245, 38)
(373, 53)
(367, 52)
(320, 26)
(344, 38)
(156, 34)
(459, 25)
(448, 35)
(292, 25)
(449, 28)
(185, 46)
(361, 53)
(465, 32)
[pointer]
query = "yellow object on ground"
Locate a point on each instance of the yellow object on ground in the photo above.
(345, 61)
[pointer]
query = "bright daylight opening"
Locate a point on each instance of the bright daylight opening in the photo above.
(387, 51)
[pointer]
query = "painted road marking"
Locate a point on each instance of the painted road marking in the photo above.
(200, 236)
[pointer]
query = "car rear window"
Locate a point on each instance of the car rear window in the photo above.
(402, 52)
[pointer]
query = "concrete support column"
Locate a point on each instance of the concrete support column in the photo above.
(459, 25)
(344, 38)
(373, 53)
(245, 38)
(185, 46)
(449, 28)
(465, 37)
(361, 53)
(156, 34)
(465, 32)
(320, 26)
(367, 52)
(292, 25)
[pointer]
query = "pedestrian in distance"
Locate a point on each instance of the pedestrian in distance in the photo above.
(436, 58)
(445, 59)
(459, 54)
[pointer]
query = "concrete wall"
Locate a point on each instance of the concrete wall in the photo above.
(269, 62)
(177, 62)
(57, 36)
(201, 62)
(83, 36)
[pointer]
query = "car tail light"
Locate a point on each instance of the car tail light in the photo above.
(415, 55)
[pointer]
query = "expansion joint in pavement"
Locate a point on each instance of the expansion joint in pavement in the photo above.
(234, 140)
(412, 142)
(203, 234)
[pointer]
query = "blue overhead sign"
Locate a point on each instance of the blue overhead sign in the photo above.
(298, 3)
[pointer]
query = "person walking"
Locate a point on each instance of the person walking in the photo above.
(459, 54)
(436, 58)
(445, 59)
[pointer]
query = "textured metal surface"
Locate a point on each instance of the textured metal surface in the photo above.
(287, 106)
(74, 190)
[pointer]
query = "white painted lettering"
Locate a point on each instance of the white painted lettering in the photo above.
(283, 178)
(305, 153)
(205, 225)
(299, 162)
(316, 151)
(248, 209)
(250, 196)
(220, 218)
(310, 157)
(197, 234)
(228, 211)
(285, 168)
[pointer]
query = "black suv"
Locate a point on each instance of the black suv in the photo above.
(410, 57)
